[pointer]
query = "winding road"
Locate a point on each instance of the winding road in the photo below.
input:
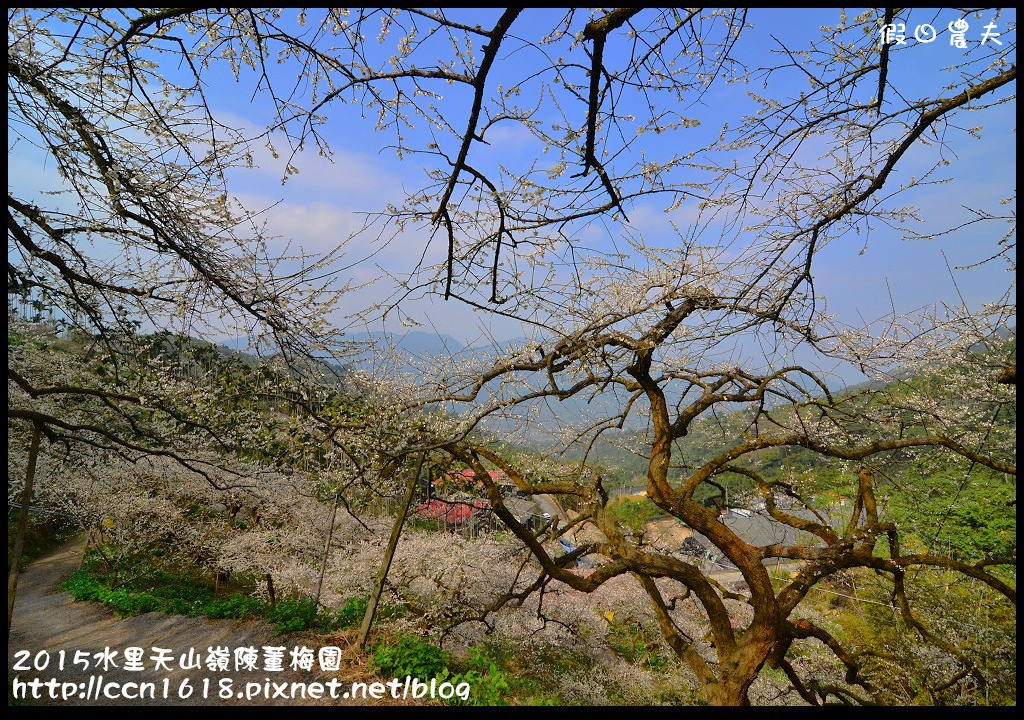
(47, 621)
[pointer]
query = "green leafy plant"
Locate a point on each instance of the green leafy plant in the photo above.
(488, 684)
(235, 606)
(636, 644)
(292, 614)
(351, 613)
(84, 586)
(411, 656)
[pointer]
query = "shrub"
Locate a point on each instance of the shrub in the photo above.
(410, 656)
(44, 533)
(635, 514)
(351, 613)
(636, 644)
(82, 585)
(292, 614)
(128, 602)
(416, 657)
(235, 606)
(488, 683)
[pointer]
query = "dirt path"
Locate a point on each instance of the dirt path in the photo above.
(46, 619)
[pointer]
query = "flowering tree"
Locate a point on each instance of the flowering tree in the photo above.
(136, 228)
(664, 331)
(259, 487)
(838, 429)
(633, 108)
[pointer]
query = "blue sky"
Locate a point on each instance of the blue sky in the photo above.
(322, 197)
(861, 277)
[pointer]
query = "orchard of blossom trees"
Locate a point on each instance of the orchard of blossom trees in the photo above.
(656, 200)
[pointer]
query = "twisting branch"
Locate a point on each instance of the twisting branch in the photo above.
(495, 36)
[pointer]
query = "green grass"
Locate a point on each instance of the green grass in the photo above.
(635, 514)
(181, 594)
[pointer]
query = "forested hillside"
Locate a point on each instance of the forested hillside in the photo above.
(244, 534)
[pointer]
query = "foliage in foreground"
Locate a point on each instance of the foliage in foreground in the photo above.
(184, 594)
(413, 656)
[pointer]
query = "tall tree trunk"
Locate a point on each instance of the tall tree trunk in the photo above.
(327, 549)
(389, 554)
(739, 670)
(732, 686)
(19, 540)
(727, 693)
(270, 590)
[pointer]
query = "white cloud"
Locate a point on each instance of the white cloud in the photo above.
(364, 178)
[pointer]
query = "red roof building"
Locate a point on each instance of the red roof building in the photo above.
(450, 511)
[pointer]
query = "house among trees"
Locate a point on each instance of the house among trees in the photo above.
(457, 499)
